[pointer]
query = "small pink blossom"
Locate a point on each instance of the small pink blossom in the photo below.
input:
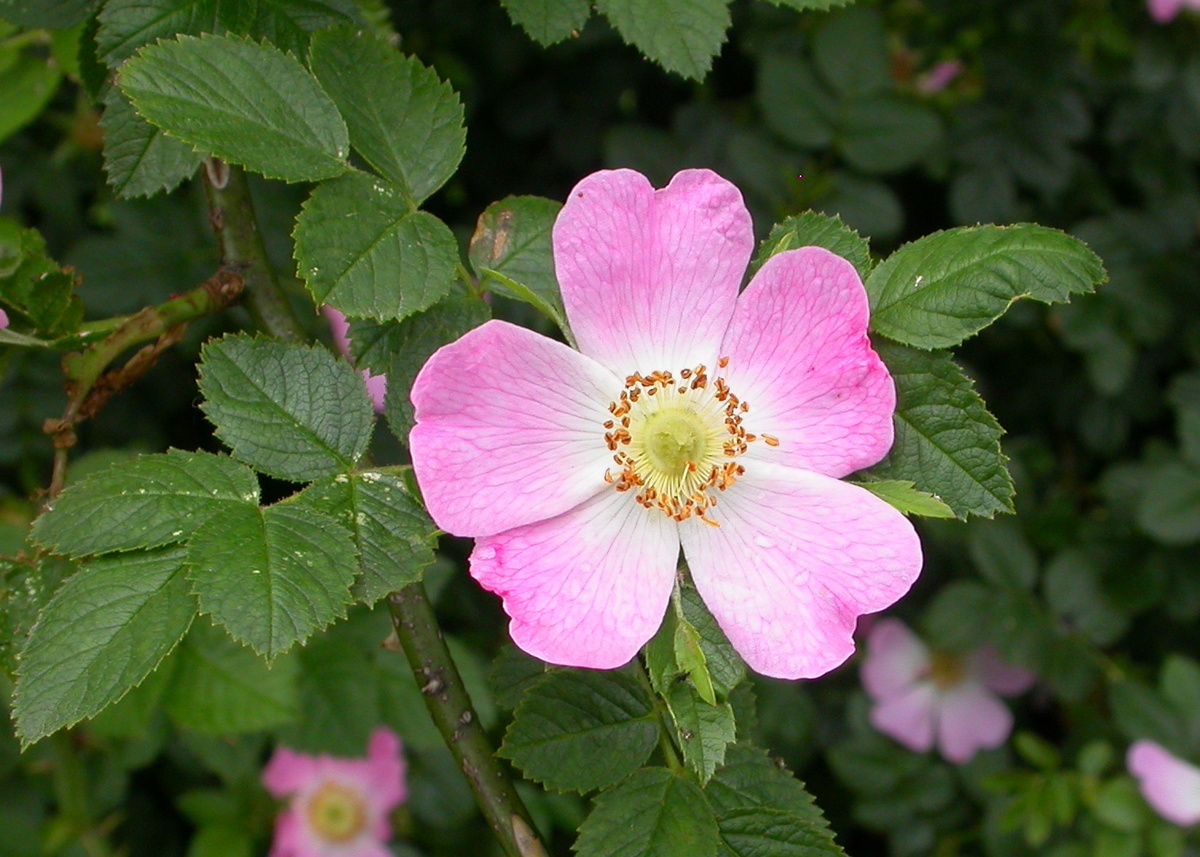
(939, 77)
(922, 698)
(3, 319)
(339, 328)
(1164, 11)
(691, 416)
(1169, 784)
(337, 807)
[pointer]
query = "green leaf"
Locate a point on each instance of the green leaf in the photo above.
(105, 630)
(392, 532)
(654, 813)
(945, 287)
(272, 576)
(46, 14)
(1180, 683)
(904, 496)
(400, 349)
(886, 134)
(814, 229)
(150, 501)
(339, 695)
(813, 5)
(850, 51)
(1142, 714)
(1074, 589)
(794, 105)
(750, 780)
(946, 441)
(221, 688)
(704, 730)
(139, 159)
(549, 21)
(293, 411)
(403, 119)
(28, 85)
(1002, 555)
(682, 36)
(364, 250)
(513, 673)
(35, 290)
(578, 731)
(511, 251)
(247, 103)
(1169, 508)
(766, 832)
(26, 586)
(221, 839)
(126, 25)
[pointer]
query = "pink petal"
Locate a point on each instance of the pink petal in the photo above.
(291, 837)
(649, 277)
(510, 430)
(971, 718)
(384, 774)
(339, 329)
(1163, 11)
(799, 355)
(288, 772)
(1000, 677)
(585, 589)
(3, 319)
(896, 658)
(908, 717)
(796, 559)
(1169, 784)
(376, 390)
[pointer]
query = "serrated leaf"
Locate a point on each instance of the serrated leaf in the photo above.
(150, 501)
(901, 494)
(339, 694)
(725, 666)
(945, 287)
(689, 655)
(140, 159)
(126, 25)
(247, 103)
(392, 532)
(272, 576)
(46, 14)
(513, 673)
(511, 251)
(363, 249)
(403, 119)
(682, 36)
(578, 731)
(704, 730)
(400, 349)
(814, 229)
(548, 21)
(654, 813)
(946, 441)
(26, 586)
(28, 85)
(35, 290)
(810, 5)
(222, 688)
(765, 832)
(293, 411)
(105, 630)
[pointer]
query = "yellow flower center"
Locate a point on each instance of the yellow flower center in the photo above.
(946, 670)
(675, 442)
(336, 813)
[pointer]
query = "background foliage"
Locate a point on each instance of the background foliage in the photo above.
(1080, 116)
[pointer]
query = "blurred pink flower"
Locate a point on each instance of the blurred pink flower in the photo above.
(1169, 784)
(922, 697)
(337, 807)
(939, 77)
(340, 329)
(1163, 11)
(3, 319)
(690, 416)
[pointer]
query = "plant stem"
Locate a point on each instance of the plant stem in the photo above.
(452, 712)
(231, 214)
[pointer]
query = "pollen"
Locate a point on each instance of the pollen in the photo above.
(676, 441)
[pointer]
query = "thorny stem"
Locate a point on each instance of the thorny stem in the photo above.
(450, 707)
(89, 385)
(231, 214)
(412, 614)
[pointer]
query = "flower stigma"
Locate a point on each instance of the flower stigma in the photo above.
(336, 813)
(675, 441)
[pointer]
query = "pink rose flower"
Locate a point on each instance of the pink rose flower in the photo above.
(337, 807)
(922, 698)
(1163, 11)
(939, 77)
(690, 416)
(340, 329)
(3, 319)
(1170, 785)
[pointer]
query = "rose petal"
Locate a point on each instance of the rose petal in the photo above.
(288, 772)
(585, 589)
(998, 676)
(384, 773)
(1169, 784)
(292, 839)
(1163, 11)
(971, 718)
(796, 559)
(510, 430)
(799, 355)
(895, 659)
(908, 717)
(649, 277)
